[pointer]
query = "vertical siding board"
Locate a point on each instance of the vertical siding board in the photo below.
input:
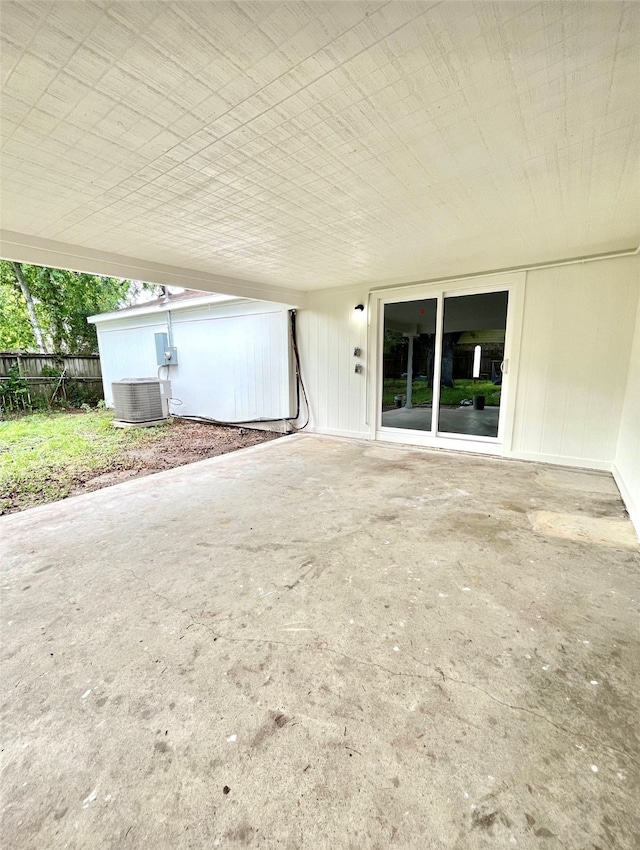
(323, 400)
(314, 387)
(269, 388)
(612, 321)
(344, 387)
(557, 376)
(278, 349)
(318, 363)
(540, 343)
(265, 387)
(307, 344)
(353, 402)
(590, 343)
(247, 381)
(331, 349)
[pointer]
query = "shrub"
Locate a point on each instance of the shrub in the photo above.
(14, 392)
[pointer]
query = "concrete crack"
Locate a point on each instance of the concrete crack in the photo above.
(558, 726)
(439, 674)
(360, 661)
(195, 622)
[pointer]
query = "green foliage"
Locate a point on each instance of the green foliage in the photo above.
(44, 456)
(80, 394)
(16, 397)
(392, 339)
(422, 394)
(14, 391)
(51, 371)
(15, 330)
(63, 301)
(467, 389)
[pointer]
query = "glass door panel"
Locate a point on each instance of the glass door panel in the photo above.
(408, 364)
(471, 363)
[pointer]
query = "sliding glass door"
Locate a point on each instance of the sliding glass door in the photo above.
(471, 363)
(409, 349)
(442, 364)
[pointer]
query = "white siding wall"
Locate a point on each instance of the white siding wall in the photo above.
(330, 329)
(127, 350)
(575, 348)
(233, 361)
(232, 368)
(627, 464)
(574, 357)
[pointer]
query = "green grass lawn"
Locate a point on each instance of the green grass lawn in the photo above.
(42, 456)
(422, 394)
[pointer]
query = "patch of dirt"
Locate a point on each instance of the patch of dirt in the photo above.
(185, 442)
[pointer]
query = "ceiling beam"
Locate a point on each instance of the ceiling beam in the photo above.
(47, 252)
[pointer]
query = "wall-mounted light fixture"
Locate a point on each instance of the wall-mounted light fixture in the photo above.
(359, 307)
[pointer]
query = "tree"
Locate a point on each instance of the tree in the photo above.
(46, 309)
(31, 310)
(15, 331)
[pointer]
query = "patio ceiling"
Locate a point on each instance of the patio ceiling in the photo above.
(306, 145)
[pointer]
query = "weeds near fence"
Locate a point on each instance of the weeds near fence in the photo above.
(14, 392)
(16, 397)
(41, 382)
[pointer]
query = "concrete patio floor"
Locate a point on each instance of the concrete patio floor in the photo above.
(320, 643)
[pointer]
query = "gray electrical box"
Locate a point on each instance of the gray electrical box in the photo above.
(166, 355)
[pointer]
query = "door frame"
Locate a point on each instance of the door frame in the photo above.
(513, 283)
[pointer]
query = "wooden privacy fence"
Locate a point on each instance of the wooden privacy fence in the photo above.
(36, 380)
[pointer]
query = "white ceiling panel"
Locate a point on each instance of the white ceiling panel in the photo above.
(309, 144)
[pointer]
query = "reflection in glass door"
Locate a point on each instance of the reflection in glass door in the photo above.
(408, 364)
(455, 343)
(471, 363)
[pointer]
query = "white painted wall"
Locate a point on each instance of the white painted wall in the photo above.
(233, 360)
(233, 368)
(626, 469)
(127, 350)
(576, 341)
(330, 328)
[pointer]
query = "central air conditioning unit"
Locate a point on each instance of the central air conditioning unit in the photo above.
(141, 401)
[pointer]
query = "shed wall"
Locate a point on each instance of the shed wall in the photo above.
(233, 362)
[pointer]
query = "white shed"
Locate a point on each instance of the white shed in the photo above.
(232, 357)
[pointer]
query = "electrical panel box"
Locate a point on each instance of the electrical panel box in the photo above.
(166, 355)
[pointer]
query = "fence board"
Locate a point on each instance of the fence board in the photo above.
(76, 378)
(31, 365)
